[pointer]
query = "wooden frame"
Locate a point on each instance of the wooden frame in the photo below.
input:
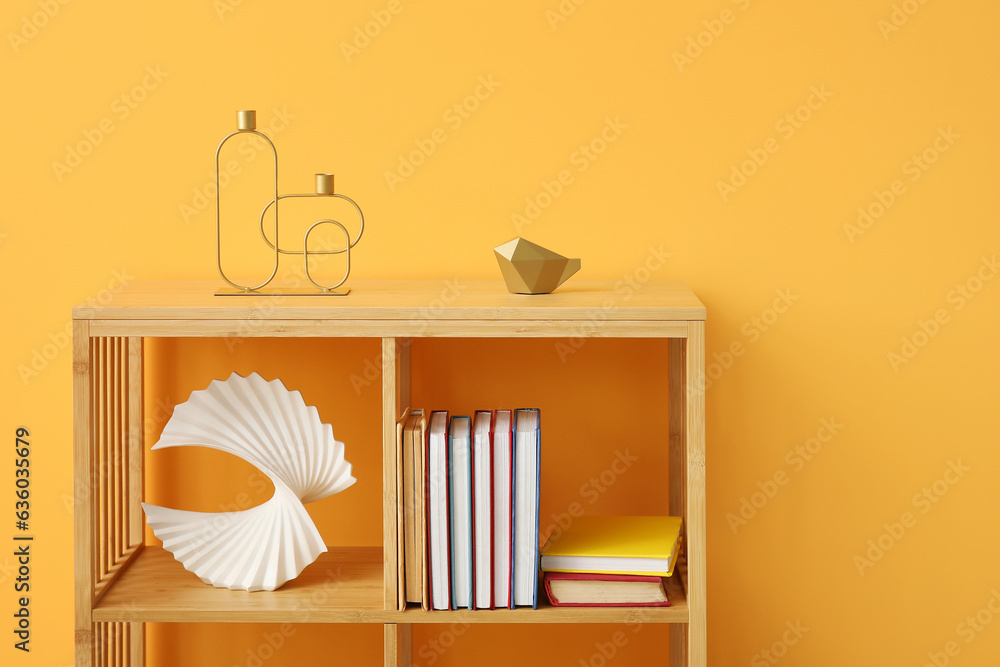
(115, 572)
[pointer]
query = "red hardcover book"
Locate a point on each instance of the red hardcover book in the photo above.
(586, 589)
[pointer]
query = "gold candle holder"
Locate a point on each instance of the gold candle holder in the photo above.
(246, 123)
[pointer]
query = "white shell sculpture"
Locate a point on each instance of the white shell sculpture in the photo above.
(273, 429)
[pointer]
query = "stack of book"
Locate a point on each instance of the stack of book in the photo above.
(612, 561)
(467, 493)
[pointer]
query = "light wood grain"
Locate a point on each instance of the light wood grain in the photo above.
(398, 649)
(360, 584)
(400, 543)
(136, 444)
(83, 534)
(392, 328)
(390, 530)
(677, 417)
(344, 585)
(137, 644)
(422, 301)
(696, 518)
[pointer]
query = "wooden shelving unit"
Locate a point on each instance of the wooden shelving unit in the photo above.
(121, 583)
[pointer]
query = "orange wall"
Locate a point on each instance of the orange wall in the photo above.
(739, 137)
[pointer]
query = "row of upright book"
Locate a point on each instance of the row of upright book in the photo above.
(468, 499)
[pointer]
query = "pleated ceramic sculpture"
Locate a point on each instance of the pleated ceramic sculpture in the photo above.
(273, 429)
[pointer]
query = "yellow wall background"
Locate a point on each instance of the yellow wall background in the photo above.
(853, 357)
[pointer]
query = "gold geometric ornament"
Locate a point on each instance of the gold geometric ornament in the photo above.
(528, 268)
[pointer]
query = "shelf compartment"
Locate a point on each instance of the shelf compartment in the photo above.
(343, 586)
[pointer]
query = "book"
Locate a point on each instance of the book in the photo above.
(437, 510)
(413, 499)
(482, 496)
(460, 489)
(588, 589)
(503, 469)
(400, 511)
(527, 481)
(643, 545)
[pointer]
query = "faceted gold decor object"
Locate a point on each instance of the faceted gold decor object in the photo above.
(528, 268)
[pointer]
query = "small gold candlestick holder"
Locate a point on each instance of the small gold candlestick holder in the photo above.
(246, 123)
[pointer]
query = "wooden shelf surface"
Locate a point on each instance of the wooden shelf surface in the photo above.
(343, 586)
(422, 301)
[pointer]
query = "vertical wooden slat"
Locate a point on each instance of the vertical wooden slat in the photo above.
(136, 444)
(122, 519)
(116, 440)
(134, 453)
(677, 387)
(390, 414)
(105, 377)
(137, 645)
(116, 644)
(102, 645)
(92, 497)
(677, 406)
(398, 645)
(694, 428)
(83, 535)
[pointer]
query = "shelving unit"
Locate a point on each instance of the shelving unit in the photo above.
(121, 583)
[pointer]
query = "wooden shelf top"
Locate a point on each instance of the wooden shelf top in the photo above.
(343, 586)
(401, 300)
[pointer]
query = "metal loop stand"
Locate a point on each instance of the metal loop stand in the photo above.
(247, 124)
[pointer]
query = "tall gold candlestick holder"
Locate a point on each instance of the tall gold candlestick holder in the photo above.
(246, 123)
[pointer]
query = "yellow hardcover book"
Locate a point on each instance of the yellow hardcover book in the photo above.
(615, 545)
